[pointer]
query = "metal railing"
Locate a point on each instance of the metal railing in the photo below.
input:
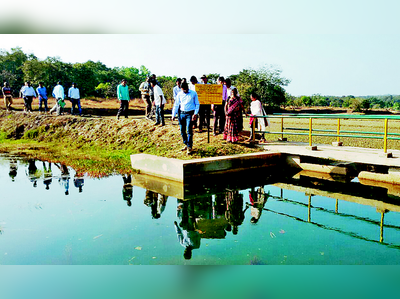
(338, 133)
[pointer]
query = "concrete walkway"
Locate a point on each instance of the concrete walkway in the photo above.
(337, 153)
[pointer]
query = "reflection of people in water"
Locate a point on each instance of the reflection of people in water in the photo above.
(258, 200)
(64, 179)
(187, 232)
(47, 175)
(33, 173)
(156, 202)
(234, 209)
(13, 169)
(79, 182)
(127, 189)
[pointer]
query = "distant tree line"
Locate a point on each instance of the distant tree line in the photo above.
(95, 79)
(357, 104)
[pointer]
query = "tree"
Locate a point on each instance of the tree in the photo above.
(167, 83)
(266, 81)
(11, 65)
(306, 101)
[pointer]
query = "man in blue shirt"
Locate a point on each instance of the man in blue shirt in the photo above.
(42, 93)
(187, 103)
(75, 98)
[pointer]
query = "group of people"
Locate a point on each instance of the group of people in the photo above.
(28, 93)
(228, 116)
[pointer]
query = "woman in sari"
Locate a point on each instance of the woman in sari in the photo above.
(233, 117)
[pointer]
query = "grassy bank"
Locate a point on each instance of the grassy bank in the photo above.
(101, 145)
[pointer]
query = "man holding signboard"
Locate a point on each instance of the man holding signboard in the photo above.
(187, 103)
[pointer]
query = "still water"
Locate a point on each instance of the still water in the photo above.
(50, 215)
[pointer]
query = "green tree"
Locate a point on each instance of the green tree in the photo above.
(266, 81)
(167, 83)
(11, 65)
(306, 101)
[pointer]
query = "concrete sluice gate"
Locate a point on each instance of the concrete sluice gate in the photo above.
(355, 182)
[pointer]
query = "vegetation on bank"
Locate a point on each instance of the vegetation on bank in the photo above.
(96, 80)
(101, 146)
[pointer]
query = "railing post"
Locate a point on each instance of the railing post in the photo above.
(282, 138)
(338, 130)
(310, 133)
(253, 128)
(385, 137)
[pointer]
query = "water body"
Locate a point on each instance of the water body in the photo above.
(50, 215)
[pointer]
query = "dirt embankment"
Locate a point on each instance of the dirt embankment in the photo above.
(101, 142)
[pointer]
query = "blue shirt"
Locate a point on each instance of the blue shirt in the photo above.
(186, 102)
(28, 91)
(42, 92)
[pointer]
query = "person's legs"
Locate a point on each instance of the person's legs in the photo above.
(121, 108)
(182, 127)
(126, 108)
(158, 115)
(162, 115)
(189, 129)
(73, 104)
(202, 117)
(40, 104)
(26, 104)
(78, 102)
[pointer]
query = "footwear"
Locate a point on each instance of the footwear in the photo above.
(156, 124)
(184, 148)
(189, 151)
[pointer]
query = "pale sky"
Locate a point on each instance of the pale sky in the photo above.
(337, 47)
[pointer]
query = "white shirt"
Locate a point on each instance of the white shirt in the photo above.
(58, 92)
(176, 90)
(157, 93)
(73, 93)
(255, 108)
(192, 86)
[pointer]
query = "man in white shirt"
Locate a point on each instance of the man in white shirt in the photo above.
(58, 94)
(159, 102)
(177, 89)
(74, 97)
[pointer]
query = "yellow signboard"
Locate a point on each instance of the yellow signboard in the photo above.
(209, 93)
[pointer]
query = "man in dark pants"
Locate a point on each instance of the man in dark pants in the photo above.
(187, 103)
(123, 97)
(219, 110)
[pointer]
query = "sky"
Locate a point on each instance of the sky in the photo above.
(323, 47)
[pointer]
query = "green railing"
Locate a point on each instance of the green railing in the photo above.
(338, 133)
